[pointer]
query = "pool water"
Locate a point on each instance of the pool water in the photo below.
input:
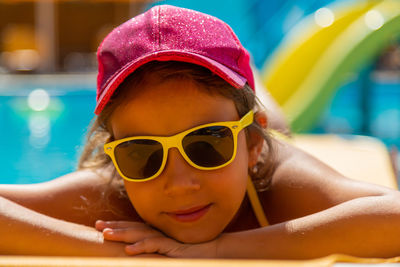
(373, 110)
(41, 144)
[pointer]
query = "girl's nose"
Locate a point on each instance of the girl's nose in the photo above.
(179, 176)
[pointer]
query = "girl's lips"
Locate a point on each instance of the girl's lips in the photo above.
(189, 215)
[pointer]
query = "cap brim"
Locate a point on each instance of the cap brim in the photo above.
(221, 70)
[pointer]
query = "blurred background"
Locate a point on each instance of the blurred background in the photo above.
(333, 66)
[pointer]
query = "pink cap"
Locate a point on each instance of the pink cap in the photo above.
(168, 33)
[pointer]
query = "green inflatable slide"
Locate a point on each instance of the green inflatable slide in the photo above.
(323, 50)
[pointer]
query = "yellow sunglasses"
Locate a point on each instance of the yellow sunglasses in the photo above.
(205, 147)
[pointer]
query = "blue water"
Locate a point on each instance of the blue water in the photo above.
(38, 146)
(381, 115)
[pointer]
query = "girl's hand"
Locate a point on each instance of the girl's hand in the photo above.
(144, 239)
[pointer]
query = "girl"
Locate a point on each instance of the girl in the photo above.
(174, 156)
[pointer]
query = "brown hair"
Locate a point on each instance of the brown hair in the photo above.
(94, 157)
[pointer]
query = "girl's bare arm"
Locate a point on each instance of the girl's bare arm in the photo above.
(26, 232)
(364, 227)
(58, 217)
(81, 197)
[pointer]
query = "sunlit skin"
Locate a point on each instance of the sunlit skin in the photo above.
(181, 186)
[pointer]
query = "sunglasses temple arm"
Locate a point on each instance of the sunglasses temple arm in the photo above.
(247, 119)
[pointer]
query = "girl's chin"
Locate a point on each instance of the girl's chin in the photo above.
(193, 236)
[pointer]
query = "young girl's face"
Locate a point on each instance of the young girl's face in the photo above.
(186, 203)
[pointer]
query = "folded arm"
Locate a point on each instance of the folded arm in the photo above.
(58, 217)
(26, 232)
(364, 227)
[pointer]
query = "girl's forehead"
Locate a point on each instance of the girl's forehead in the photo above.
(170, 107)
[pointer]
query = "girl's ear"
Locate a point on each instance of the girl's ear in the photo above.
(256, 140)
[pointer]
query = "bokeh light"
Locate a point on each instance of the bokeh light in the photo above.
(324, 17)
(38, 100)
(374, 19)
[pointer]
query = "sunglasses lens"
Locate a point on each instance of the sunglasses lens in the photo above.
(209, 146)
(139, 159)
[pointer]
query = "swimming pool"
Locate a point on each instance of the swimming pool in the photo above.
(43, 120)
(365, 109)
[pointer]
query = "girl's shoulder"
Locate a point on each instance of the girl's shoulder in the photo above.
(302, 185)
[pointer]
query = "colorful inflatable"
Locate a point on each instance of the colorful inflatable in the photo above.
(320, 53)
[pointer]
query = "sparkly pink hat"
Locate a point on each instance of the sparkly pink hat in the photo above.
(168, 33)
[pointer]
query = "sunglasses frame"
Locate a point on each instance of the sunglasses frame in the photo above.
(168, 142)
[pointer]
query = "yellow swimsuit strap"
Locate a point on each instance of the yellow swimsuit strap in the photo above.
(251, 191)
(255, 203)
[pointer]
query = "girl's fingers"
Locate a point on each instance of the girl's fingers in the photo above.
(161, 245)
(129, 235)
(101, 225)
(172, 248)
